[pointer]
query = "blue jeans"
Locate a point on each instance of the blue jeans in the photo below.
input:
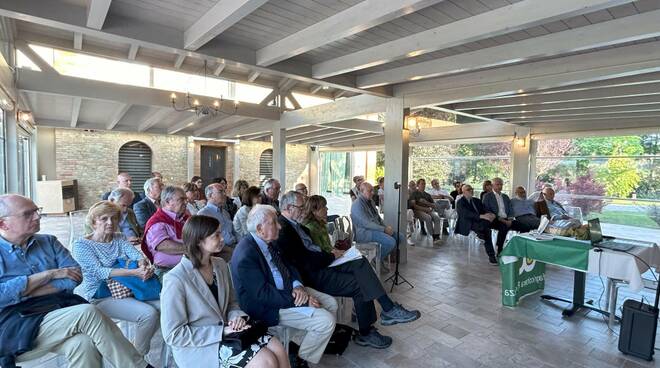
(387, 242)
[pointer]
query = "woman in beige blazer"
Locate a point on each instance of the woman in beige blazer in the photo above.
(199, 307)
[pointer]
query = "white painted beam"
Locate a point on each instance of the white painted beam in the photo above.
(77, 41)
(362, 125)
(155, 118)
(557, 72)
(617, 31)
(219, 69)
(338, 94)
(216, 123)
(613, 112)
(179, 61)
(97, 11)
(270, 97)
(75, 111)
(315, 89)
(35, 58)
(315, 136)
(296, 104)
(595, 118)
(118, 115)
(258, 126)
(601, 95)
(345, 136)
(292, 133)
(132, 51)
(69, 86)
(343, 109)
(253, 76)
(216, 20)
(188, 120)
(575, 105)
(364, 15)
(286, 84)
(520, 15)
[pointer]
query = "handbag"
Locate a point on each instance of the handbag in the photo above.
(117, 290)
(242, 340)
(343, 233)
(143, 290)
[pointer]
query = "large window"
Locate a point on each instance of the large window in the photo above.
(336, 181)
(616, 179)
(3, 153)
(135, 159)
(469, 163)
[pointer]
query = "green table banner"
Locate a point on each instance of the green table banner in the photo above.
(522, 264)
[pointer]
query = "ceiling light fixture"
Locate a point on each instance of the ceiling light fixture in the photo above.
(193, 105)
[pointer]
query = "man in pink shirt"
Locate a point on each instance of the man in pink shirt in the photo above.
(162, 242)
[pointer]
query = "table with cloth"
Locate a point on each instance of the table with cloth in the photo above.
(522, 267)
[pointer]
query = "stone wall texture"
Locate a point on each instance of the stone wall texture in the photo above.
(91, 157)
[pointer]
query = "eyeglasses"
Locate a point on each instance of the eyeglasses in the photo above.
(29, 213)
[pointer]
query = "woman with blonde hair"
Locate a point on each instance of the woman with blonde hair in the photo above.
(98, 253)
(237, 194)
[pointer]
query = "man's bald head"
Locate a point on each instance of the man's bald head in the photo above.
(124, 180)
(366, 189)
(19, 218)
(549, 193)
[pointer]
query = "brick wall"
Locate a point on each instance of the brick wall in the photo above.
(92, 158)
(297, 168)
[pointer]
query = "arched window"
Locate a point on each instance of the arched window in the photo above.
(265, 166)
(135, 159)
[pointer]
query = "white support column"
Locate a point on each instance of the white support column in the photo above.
(279, 154)
(237, 160)
(313, 159)
(396, 167)
(520, 159)
(12, 152)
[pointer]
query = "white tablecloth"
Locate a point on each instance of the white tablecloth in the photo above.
(624, 266)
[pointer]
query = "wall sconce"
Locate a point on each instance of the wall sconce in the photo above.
(519, 141)
(24, 116)
(412, 125)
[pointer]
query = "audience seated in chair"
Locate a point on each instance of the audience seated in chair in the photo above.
(251, 197)
(271, 194)
(124, 181)
(229, 204)
(524, 210)
(302, 189)
(128, 224)
(473, 217)
(355, 190)
(486, 187)
(162, 242)
(97, 253)
(457, 190)
(200, 307)
(355, 279)
(240, 186)
(368, 225)
(269, 288)
(439, 195)
(499, 204)
(37, 278)
(146, 208)
(194, 202)
(216, 196)
(424, 210)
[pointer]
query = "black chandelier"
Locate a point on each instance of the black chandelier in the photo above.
(193, 105)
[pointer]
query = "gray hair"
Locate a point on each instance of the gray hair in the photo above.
(149, 183)
(209, 189)
(497, 179)
(120, 193)
(258, 216)
(269, 183)
(288, 199)
(5, 203)
(169, 192)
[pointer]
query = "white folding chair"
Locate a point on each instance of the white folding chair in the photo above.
(76, 226)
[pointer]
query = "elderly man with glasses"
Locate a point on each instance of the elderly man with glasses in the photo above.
(473, 217)
(38, 312)
(124, 181)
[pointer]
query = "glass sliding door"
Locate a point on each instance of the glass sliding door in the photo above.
(24, 164)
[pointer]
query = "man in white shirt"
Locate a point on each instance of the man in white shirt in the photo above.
(441, 197)
(499, 204)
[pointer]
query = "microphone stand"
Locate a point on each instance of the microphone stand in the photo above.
(397, 278)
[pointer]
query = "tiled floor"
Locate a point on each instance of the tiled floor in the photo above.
(463, 323)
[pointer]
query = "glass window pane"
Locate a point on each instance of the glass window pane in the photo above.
(3, 167)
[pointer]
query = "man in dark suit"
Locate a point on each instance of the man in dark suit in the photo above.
(355, 279)
(145, 208)
(473, 217)
(499, 204)
(270, 289)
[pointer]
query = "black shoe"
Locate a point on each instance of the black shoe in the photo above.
(492, 260)
(300, 363)
(398, 314)
(436, 237)
(374, 339)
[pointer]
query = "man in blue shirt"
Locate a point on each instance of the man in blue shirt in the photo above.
(216, 197)
(37, 265)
